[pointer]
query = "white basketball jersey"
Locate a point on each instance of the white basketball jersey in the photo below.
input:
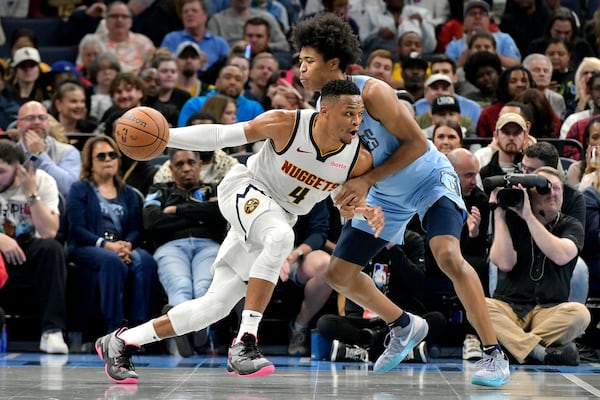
(301, 175)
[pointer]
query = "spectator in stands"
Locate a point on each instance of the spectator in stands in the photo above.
(582, 75)
(264, 66)
(511, 134)
(442, 64)
(305, 267)
(388, 19)
(284, 96)
(436, 85)
(27, 83)
(482, 69)
(546, 123)
(341, 8)
(409, 45)
(215, 164)
(512, 81)
(194, 16)
(190, 60)
(222, 107)
(447, 136)
(530, 309)
(131, 48)
(8, 106)
(477, 18)
(184, 224)
(593, 88)
(414, 69)
(30, 222)
(89, 48)
(380, 65)
(445, 107)
(524, 21)
(563, 75)
(168, 74)
(583, 167)
(61, 161)
(453, 28)
(229, 23)
(562, 25)
(229, 83)
(257, 34)
(69, 109)
(103, 71)
(540, 67)
(105, 223)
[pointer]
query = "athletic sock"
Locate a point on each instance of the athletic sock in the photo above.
(403, 321)
(250, 321)
(538, 352)
(141, 334)
(490, 349)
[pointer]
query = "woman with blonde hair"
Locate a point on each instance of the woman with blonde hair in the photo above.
(582, 75)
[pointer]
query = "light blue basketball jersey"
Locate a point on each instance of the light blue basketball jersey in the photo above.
(411, 190)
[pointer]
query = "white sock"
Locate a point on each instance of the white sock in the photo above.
(140, 335)
(250, 321)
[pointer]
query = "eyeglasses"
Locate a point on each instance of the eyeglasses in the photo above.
(117, 16)
(32, 118)
(102, 156)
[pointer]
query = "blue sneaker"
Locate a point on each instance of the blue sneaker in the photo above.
(398, 347)
(493, 370)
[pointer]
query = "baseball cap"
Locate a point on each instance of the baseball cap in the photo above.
(187, 44)
(414, 59)
(476, 3)
(511, 118)
(64, 66)
(437, 78)
(445, 103)
(26, 54)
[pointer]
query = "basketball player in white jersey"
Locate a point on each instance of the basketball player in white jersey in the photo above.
(307, 156)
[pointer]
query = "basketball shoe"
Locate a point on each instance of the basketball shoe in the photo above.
(493, 370)
(398, 346)
(116, 355)
(246, 360)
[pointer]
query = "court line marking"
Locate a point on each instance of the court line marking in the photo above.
(582, 384)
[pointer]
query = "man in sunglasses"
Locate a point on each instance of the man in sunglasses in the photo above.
(535, 247)
(29, 222)
(60, 160)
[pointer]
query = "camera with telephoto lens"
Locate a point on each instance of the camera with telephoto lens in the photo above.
(510, 197)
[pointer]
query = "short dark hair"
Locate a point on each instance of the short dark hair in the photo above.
(481, 35)
(331, 36)
(545, 152)
(11, 153)
(340, 87)
(502, 89)
(450, 124)
(525, 111)
(201, 115)
(443, 58)
(256, 21)
(172, 151)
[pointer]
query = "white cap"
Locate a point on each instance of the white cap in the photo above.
(437, 78)
(184, 45)
(26, 54)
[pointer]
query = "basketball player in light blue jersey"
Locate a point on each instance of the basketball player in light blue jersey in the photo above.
(410, 177)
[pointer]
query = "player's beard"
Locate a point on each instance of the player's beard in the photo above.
(4, 188)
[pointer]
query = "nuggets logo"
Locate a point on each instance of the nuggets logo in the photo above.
(251, 205)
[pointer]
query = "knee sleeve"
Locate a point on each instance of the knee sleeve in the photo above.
(226, 290)
(277, 240)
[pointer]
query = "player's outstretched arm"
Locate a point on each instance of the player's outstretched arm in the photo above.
(206, 137)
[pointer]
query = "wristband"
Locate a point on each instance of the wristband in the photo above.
(299, 251)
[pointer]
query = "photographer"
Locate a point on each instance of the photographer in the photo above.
(535, 247)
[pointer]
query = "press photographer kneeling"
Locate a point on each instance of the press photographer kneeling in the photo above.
(535, 247)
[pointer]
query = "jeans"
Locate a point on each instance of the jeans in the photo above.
(579, 281)
(184, 267)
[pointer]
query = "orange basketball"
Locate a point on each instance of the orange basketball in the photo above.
(142, 133)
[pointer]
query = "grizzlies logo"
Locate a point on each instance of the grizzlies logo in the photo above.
(450, 182)
(251, 205)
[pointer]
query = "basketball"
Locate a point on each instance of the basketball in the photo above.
(142, 133)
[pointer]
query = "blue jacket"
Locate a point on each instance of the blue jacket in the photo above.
(85, 220)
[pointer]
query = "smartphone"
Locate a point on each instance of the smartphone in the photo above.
(287, 76)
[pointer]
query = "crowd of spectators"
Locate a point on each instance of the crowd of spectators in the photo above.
(485, 80)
